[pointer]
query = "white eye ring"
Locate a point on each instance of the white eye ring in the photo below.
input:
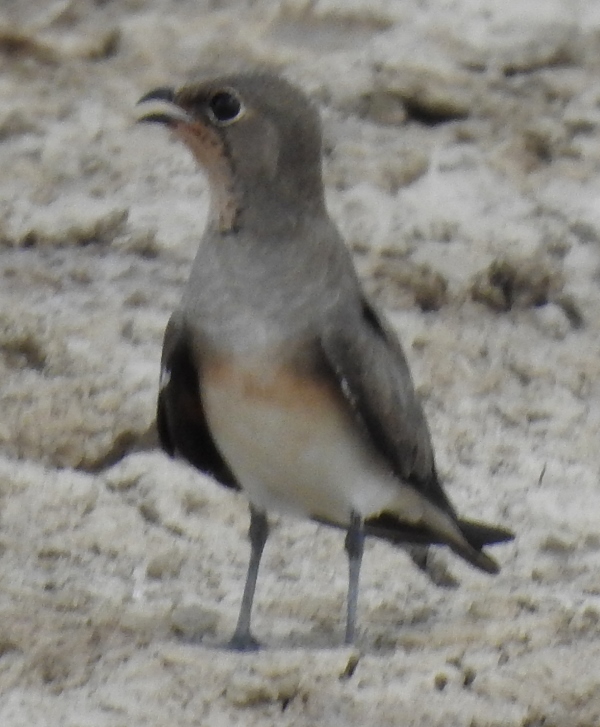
(225, 107)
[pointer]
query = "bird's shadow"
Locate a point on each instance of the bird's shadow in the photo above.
(311, 641)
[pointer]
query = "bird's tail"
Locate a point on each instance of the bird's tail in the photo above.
(475, 535)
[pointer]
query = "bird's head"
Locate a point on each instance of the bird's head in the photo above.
(257, 137)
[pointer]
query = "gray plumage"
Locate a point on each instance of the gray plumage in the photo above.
(280, 377)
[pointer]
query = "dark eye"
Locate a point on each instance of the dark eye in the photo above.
(225, 107)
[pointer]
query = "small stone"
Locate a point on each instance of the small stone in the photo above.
(557, 545)
(138, 242)
(251, 688)
(552, 320)
(193, 621)
(427, 96)
(76, 220)
(440, 681)
(142, 619)
(165, 564)
(469, 675)
(516, 283)
(429, 287)
(351, 665)
(121, 479)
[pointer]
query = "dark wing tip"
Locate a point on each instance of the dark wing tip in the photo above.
(479, 534)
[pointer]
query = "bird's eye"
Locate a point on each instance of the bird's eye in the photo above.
(225, 107)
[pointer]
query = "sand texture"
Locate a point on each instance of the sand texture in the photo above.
(462, 163)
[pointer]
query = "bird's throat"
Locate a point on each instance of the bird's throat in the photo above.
(211, 154)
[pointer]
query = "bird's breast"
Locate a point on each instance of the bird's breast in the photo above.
(292, 441)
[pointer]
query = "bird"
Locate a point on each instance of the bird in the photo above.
(280, 378)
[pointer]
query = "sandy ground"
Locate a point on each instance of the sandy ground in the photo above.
(463, 166)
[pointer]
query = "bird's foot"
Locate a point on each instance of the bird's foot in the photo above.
(244, 641)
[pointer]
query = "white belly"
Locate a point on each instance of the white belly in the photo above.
(294, 446)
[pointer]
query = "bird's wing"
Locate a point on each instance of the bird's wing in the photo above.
(182, 427)
(372, 373)
(369, 366)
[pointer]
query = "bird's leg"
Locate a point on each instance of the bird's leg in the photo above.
(242, 639)
(354, 544)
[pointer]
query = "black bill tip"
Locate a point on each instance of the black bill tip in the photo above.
(160, 107)
(155, 119)
(159, 94)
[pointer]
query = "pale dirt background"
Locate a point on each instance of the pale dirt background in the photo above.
(463, 166)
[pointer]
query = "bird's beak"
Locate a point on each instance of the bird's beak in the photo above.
(159, 106)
